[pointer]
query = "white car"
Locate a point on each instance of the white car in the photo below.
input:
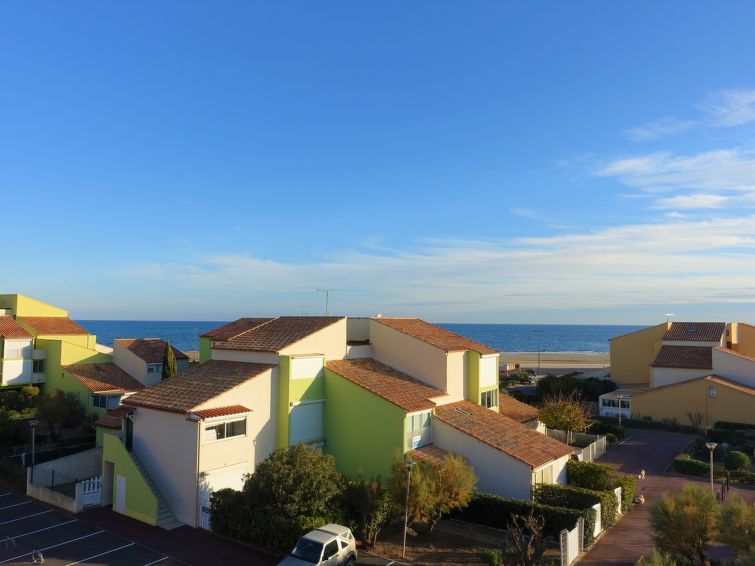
(331, 545)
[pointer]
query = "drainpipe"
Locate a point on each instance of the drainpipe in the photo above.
(196, 420)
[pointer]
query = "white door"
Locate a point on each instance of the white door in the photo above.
(120, 494)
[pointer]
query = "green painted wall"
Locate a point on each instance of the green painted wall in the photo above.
(141, 503)
(363, 431)
(205, 350)
(473, 377)
(284, 407)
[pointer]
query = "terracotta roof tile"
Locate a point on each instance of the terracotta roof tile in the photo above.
(435, 335)
(228, 331)
(151, 350)
(386, 382)
(197, 385)
(52, 325)
(684, 357)
(502, 433)
(9, 328)
(113, 418)
(429, 454)
(520, 412)
(695, 331)
(221, 411)
(104, 378)
(277, 334)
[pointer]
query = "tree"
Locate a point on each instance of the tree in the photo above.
(367, 508)
(657, 558)
(525, 536)
(295, 490)
(736, 527)
(685, 522)
(563, 413)
(60, 410)
(436, 489)
(169, 361)
(735, 460)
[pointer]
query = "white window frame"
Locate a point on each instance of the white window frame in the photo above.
(225, 422)
(425, 422)
(494, 394)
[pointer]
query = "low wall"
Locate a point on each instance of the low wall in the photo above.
(79, 466)
(49, 496)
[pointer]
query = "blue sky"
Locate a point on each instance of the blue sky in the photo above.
(464, 162)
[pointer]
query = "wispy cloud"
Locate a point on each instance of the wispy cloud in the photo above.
(662, 128)
(690, 202)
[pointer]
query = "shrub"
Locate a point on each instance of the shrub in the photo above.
(743, 476)
(230, 514)
(491, 557)
(733, 426)
(367, 508)
(628, 485)
(735, 460)
(600, 427)
(30, 392)
(579, 498)
(658, 558)
(736, 526)
(589, 475)
(690, 466)
(497, 512)
(611, 439)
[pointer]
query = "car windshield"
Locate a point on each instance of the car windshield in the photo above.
(308, 550)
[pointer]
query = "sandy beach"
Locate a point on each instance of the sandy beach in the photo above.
(557, 360)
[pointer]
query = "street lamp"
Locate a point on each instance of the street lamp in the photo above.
(409, 465)
(538, 332)
(620, 397)
(711, 446)
(33, 424)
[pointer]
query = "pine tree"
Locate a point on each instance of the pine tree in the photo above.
(169, 361)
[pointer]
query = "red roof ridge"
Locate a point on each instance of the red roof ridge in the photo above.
(466, 343)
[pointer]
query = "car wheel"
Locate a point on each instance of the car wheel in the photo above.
(350, 561)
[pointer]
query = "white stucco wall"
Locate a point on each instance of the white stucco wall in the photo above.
(166, 443)
(456, 376)
(329, 341)
(666, 376)
(131, 364)
(16, 348)
(496, 472)
(405, 353)
(488, 370)
(16, 372)
(357, 328)
(734, 367)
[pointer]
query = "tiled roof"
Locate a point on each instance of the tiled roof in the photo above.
(684, 357)
(429, 454)
(113, 418)
(695, 331)
(277, 334)
(9, 328)
(435, 335)
(104, 378)
(52, 325)
(513, 409)
(197, 385)
(228, 331)
(151, 350)
(221, 411)
(386, 382)
(502, 433)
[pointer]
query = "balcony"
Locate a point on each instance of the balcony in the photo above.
(356, 350)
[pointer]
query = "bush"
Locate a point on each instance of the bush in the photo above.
(366, 508)
(690, 466)
(647, 423)
(12, 474)
(579, 498)
(30, 392)
(600, 427)
(491, 557)
(735, 460)
(628, 485)
(733, 426)
(230, 514)
(743, 476)
(497, 512)
(589, 475)
(611, 439)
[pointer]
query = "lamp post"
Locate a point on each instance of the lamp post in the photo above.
(33, 424)
(711, 446)
(409, 465)
(620, 397)
(538, 332)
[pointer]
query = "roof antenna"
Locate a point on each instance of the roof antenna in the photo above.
(669, 315)
(327, 296)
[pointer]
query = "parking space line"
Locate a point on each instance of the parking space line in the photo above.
(27, 516)
(4, 494)
(156, 561)
(101, 554)
(45, 529)
(53, 546)
(15, 505)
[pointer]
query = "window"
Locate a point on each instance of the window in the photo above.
(344, 544)
(624, 404)
(489, 398)
(154, 368)
(418, 430)
(331, 549)
(219, 431)
(38, 366)
(544, 475)
(106, 401)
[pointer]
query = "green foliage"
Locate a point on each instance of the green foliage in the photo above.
(30, 392)
(658, 558)
(579, 498)
(611, 439)
(736, 526)
(589, 475)
(733, 426)
(169, 361)
(563, 413)
(684, 523)
(647, 423)
(13, 475)
(742, 476)
(735, 460)
(435, 490)
(366, 508)
(600, 427)
(491, 557)
(60, 410)
(497, 512)
(628, 485)
(13, 400)
(589, 389)
(230, 514)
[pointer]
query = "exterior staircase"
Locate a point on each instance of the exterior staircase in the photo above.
(165, 517)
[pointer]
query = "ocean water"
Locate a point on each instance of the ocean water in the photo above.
(586, 338)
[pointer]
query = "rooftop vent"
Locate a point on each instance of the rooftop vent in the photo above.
(691, 330)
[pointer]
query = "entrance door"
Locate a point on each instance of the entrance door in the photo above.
(129, 433)
(120, 494)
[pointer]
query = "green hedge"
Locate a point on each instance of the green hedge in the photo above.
(494, 511)
(579, 498)
(743, 476)
(628, 485)
(733, 426)
(598, 477)
(691, 467)
(650, 424)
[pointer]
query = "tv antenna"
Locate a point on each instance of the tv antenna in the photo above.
(669, 315)
(327, 297)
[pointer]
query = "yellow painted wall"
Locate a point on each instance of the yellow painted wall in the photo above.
(632, 354)
(26, 306)
(674, 402)
(745, 339)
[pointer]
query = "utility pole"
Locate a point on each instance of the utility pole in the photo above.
(327, 297)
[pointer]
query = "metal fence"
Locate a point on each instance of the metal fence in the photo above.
(587, 447)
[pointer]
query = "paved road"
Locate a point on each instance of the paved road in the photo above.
(652, 451)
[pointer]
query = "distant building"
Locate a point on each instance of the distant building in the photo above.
(142, 358)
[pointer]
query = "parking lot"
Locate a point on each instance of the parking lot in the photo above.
(27, 526)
